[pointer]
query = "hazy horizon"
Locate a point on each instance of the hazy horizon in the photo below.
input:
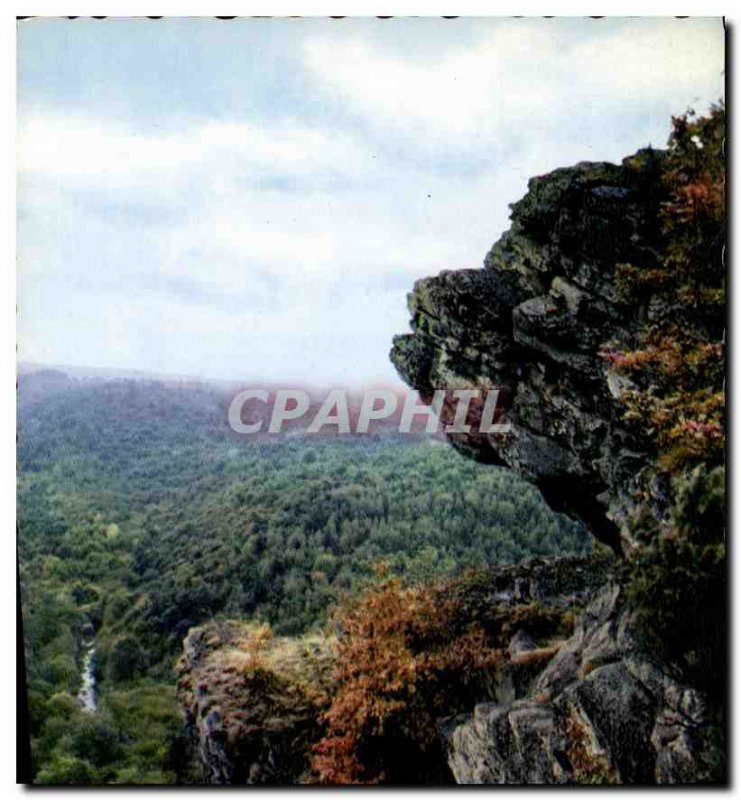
(227, 200)
(113, 373)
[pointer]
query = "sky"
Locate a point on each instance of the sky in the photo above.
(253, 199)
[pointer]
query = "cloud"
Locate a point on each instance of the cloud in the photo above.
(463, 92)
(80, 151)
(248, 230)
(672, 59)
(522, 75)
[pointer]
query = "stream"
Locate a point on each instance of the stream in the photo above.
(86, 695)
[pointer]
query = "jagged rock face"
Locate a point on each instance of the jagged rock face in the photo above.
(532, 323)
(252, 702)
(600, 712)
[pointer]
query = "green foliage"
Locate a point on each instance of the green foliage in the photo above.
(678, 584)
(140, 517)
(131, 738)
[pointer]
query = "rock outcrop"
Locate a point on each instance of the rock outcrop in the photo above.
(589, 705)
(252, 701)
(600, 712)
(535, 323)
(532, 323)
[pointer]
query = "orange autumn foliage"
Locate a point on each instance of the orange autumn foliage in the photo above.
(406, 658)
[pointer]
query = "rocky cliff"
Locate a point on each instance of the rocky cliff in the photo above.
(533, 323)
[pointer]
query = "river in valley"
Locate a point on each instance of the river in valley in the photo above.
(86, 695)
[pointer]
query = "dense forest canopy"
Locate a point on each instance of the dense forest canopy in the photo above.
(141, 515)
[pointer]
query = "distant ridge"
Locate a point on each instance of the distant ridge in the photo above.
(114, 373)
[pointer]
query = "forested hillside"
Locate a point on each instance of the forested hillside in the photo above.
(141, 516)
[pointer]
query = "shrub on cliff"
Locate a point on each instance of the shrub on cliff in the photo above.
(407, 657)
(678, 583)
